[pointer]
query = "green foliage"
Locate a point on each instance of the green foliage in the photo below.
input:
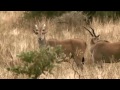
(39, 14)
(104, 15)
(71, 19)
(27, 56)
(35, 63)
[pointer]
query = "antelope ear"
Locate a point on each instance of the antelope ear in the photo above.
(44, 29)
(44, 26)
(36, 27)
(35, 30)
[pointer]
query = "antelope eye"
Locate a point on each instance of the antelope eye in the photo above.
(36, 32)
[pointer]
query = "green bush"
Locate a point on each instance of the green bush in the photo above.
(103, 15)
(70, 20)
(35, 63)
(39, 14)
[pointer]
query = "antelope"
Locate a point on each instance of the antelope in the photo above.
(76, 47)
(103, 50)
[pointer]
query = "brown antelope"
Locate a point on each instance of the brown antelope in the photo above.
(103, 50)
(76, 47)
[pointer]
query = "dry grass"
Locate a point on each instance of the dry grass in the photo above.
(14, 39)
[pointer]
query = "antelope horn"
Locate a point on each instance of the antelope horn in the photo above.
(89, 31)
(94, 32)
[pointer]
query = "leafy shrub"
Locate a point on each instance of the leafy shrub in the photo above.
(71, 19)
(35, 63)
(104, 16)
(39, 14)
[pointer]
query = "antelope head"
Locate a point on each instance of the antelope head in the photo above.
(41, 32)
(95, 38)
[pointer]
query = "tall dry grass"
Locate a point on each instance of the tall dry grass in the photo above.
(15, 38)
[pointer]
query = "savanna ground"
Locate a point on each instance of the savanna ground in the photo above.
(16, 35)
